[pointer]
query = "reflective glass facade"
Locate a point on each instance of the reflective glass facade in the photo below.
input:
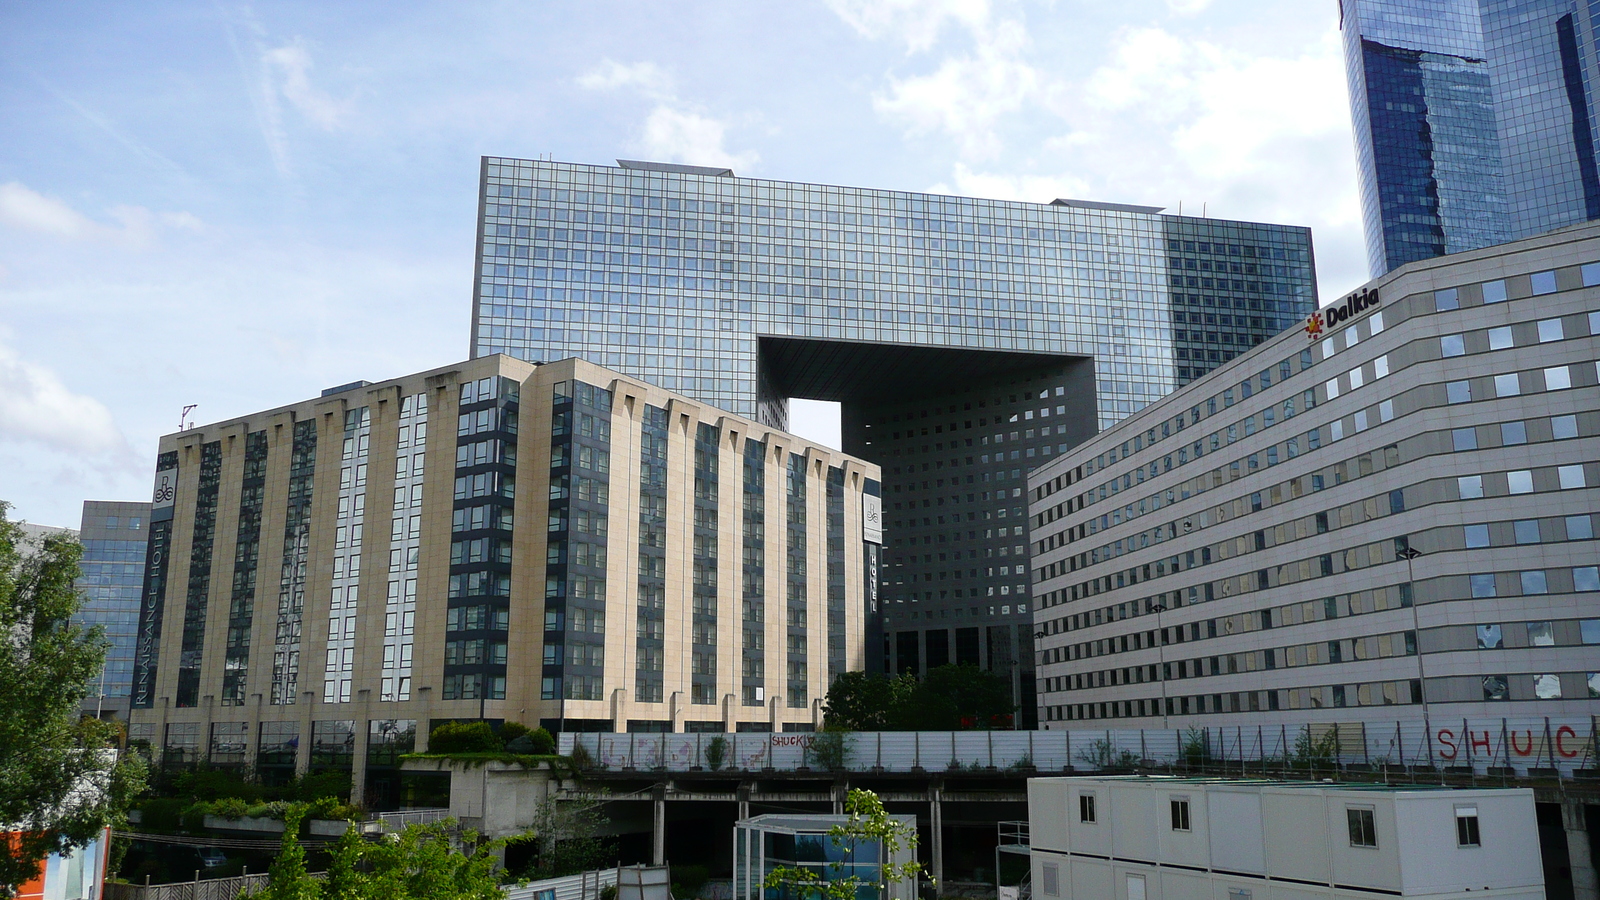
(968, 340)
(114, 537)
(1474, 121)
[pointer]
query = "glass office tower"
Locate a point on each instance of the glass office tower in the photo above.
(968, 340)
(114, 535)
(1474, 121)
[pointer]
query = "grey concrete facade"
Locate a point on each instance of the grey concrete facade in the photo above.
(1275, 542)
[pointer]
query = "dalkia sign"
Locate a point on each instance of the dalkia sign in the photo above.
(1353, 305)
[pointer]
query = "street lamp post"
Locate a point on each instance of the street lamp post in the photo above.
(1409, 553)
(1161, 657)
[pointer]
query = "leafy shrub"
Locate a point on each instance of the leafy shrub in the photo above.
(544, 743)
(831, 750)
(716, 752)
(216, 784)
(162, 814)
(230, 808)
(510, 731)
(464, 737)
(688, 880)
(316, 785)
(580, 758)
(332, 808)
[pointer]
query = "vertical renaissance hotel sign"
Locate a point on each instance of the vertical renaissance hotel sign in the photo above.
(163, 501)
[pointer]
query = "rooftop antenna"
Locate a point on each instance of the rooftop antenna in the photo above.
(183, 418)
(1202, 210)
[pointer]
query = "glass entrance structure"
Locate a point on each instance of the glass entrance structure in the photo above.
(764, 843)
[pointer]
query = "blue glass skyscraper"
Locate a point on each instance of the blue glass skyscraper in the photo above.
(114, 535)
(968, 340)
(1474, 121)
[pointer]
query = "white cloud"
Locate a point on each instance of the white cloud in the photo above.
(25, 209)
(1239, 132)
(968, 95)
(677, 135)
(1188, 7)
(290, 68)
(647, 78)
(916, 23)
(36, 406)
(674, 130)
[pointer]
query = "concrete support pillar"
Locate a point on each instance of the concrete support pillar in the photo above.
(658, 853)
(744, 801)
(936, 818)
(1585, 884)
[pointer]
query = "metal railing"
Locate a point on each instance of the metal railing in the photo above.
(1508, 747)
(234, 888)
(397, 821)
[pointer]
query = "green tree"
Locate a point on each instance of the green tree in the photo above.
(867, 701)
(420, 863)
(566, 836)
(868, 824)
(288, 879)
(61, 779)
(954, 698)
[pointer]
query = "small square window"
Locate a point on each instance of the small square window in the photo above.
(1489, 637)
(1547, 687)
(1450, 298)
(1452, 345)
(1464, 439)
(1356, 379)
(1563, 427)
(1476, 536)
(1494, 291)
(1086, 808)
(1579, 528)
(1571, 477)
(1051, 876)
(1543, 283)
(1470, 487)
(1594, 323)
(1363, 827)
(1385, 410)
(1586, 578)
(1482, 585)
(1512, 433)
(1494, 687)
(1332, 388)
(1594, 685)
(1519, 481)
(1589, 629)
(1534, 582)
(1458, 392)
(1375, 322)
(1550, 330)
(1180, 813)
(1508, 385)
(1557, 378)
(1500, 338)
(1467, 827)
(1541, 634)
(1526, 531)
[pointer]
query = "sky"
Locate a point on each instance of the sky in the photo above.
(235, 206)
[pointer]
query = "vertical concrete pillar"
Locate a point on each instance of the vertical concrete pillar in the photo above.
(744, 801)
(937, 821)
(658, 854)
(1585, 884)
(302, 754)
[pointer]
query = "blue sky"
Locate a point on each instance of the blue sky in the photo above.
(238, 205)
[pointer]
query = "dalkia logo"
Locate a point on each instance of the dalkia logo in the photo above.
(1353, 305)
(1314, 326)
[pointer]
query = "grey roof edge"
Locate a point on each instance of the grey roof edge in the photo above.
(677, 168)
(1113, 207)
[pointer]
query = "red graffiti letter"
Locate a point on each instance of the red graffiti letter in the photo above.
(1447, 738)
(1522, 751)
(1563, 732)
(1479, 742)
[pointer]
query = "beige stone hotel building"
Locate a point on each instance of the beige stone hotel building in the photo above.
(554, 544)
